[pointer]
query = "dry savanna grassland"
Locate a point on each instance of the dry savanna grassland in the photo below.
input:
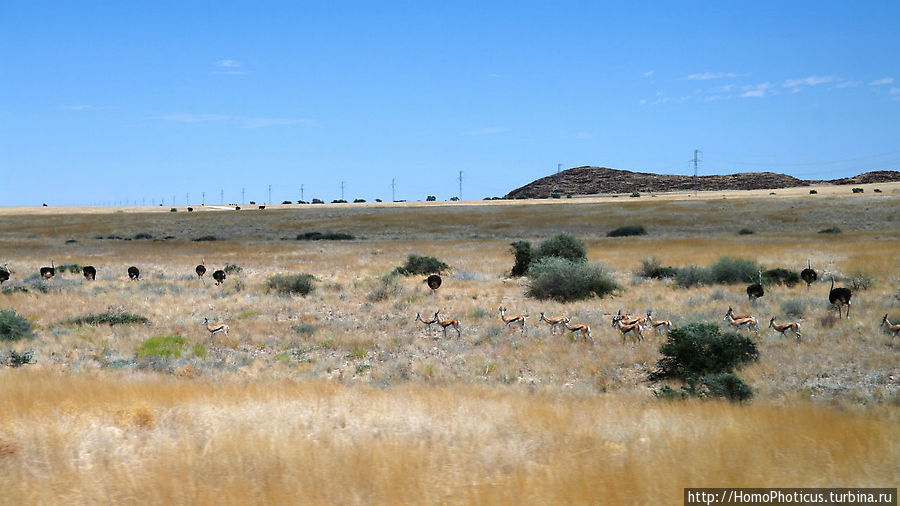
(341, 397)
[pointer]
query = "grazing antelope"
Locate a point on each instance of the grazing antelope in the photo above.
(787, 327)
(447, 323)
(755, 290)
(89, 272)
(582, 329)
(809, 275)
(658, 323)
(894, 328)
(48, 272)
(840, 297)
(629, 320)
(749, 321)
(634, 328)
(513, 320)
(201, 269)
(134, 273)
(428, 323)
(213, 329)
(219, 276)
(739, 316)
(554, 321)
(4, 273)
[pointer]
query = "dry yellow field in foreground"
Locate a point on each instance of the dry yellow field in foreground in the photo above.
(340, 397)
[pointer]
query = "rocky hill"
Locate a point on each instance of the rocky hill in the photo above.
(598, 180)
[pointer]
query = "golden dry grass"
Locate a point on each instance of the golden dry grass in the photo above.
(340, 397)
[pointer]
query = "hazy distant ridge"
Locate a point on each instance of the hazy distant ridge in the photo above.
(592, 180)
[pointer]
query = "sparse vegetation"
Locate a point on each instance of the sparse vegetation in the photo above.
(830, 230)
(384, 288)
(206, 238)
(162, 347)
(324, 236)
(652, 268)
(112, 316)
(858, 190)
(780, 276)
(745, 231)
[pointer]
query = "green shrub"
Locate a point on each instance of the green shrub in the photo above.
(385, 287)
(652, 268)
(813, 192)
(143, 235)
(14, 326)
(635, 194)
(112, 316)
(859, 280)
(173, 210)
(416, 265)
(734, 270)
(524, 256)
(794, 308)
(17, 359)
(162, 347)
(699, 349)
(691, 276)
(206, 238)
(288, 284)
(780, 276)
(745, 231)
(563, 246)
(327, 236)
(627, 231)
(877, 190)
(830, 230)
(430, 198)
(857, 190)
(232, 269)
(565, 280)
(727, 386)
(305, 329)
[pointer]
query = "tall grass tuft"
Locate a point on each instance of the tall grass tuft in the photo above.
(567, 280)
(162, 347)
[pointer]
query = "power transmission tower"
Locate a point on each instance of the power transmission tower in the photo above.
(270, 194)
(221, 197)
(696, 161)
(203, 201)
(187, 199)
(394, 190)
(242, 195)
(460, 184)
(301, 192)
(342, 190)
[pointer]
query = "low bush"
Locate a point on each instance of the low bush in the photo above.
(745, 231)
(74, 268)
(627, 230)
(14, 326)
(794, 308)
(326, 236)
(813, 192)
(112, 316)
(780, 276)
(16, 359)
(691, 276)
(290, 284)
(416, 265)
(860, 280)
(232, 269)
(385, 287)
(653, 269)
(162, 347)
(734, 270)
(857, 190)
(563, 246)
(830, 230)
(565, 280)
(430, 198)
(524, 256)
(635, 194)
(206, 238)
(727, 386)
(143, 235)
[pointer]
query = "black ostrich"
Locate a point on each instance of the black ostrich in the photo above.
(755, 290)
(808, 275)
(4, 273)
(434, 282)
(48, 272)
(201, 269)
(219, 276)
(133, 273)
(89, 272)
(840, 297)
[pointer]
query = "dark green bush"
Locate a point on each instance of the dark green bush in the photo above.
(857, 190)
(430, 198)
(416, 264)
(627, 231)
(524, 256)
(143, 235)
(727, 386)
(14, 326)
(780, 276)
(830, 230)
(327, 236)
(206, 238)
(691, 276)
(564, 280)
(734, 270)
(109, 317)
(232, 269)
(635, 194)
(288, 284)
(17, 359)
(563, 246)
(745, 231)
(813, 192)
(699, 349)
(318, 201)
(652, 268)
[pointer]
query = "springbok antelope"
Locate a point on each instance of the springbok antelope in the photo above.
(749, 321)
(582, 329)
(786, 327)
(213, 329)
(447, 323)
(894, 328)
(634, 328)
(627, 319)
(739, 316)
(428, 323)
(658, 323)
(513, 320)
(554, 321)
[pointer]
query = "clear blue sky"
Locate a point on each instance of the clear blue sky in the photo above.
(119, 102)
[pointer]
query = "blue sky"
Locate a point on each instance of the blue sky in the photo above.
(109, 102)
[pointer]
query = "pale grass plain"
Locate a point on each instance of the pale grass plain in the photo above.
(366, 407)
